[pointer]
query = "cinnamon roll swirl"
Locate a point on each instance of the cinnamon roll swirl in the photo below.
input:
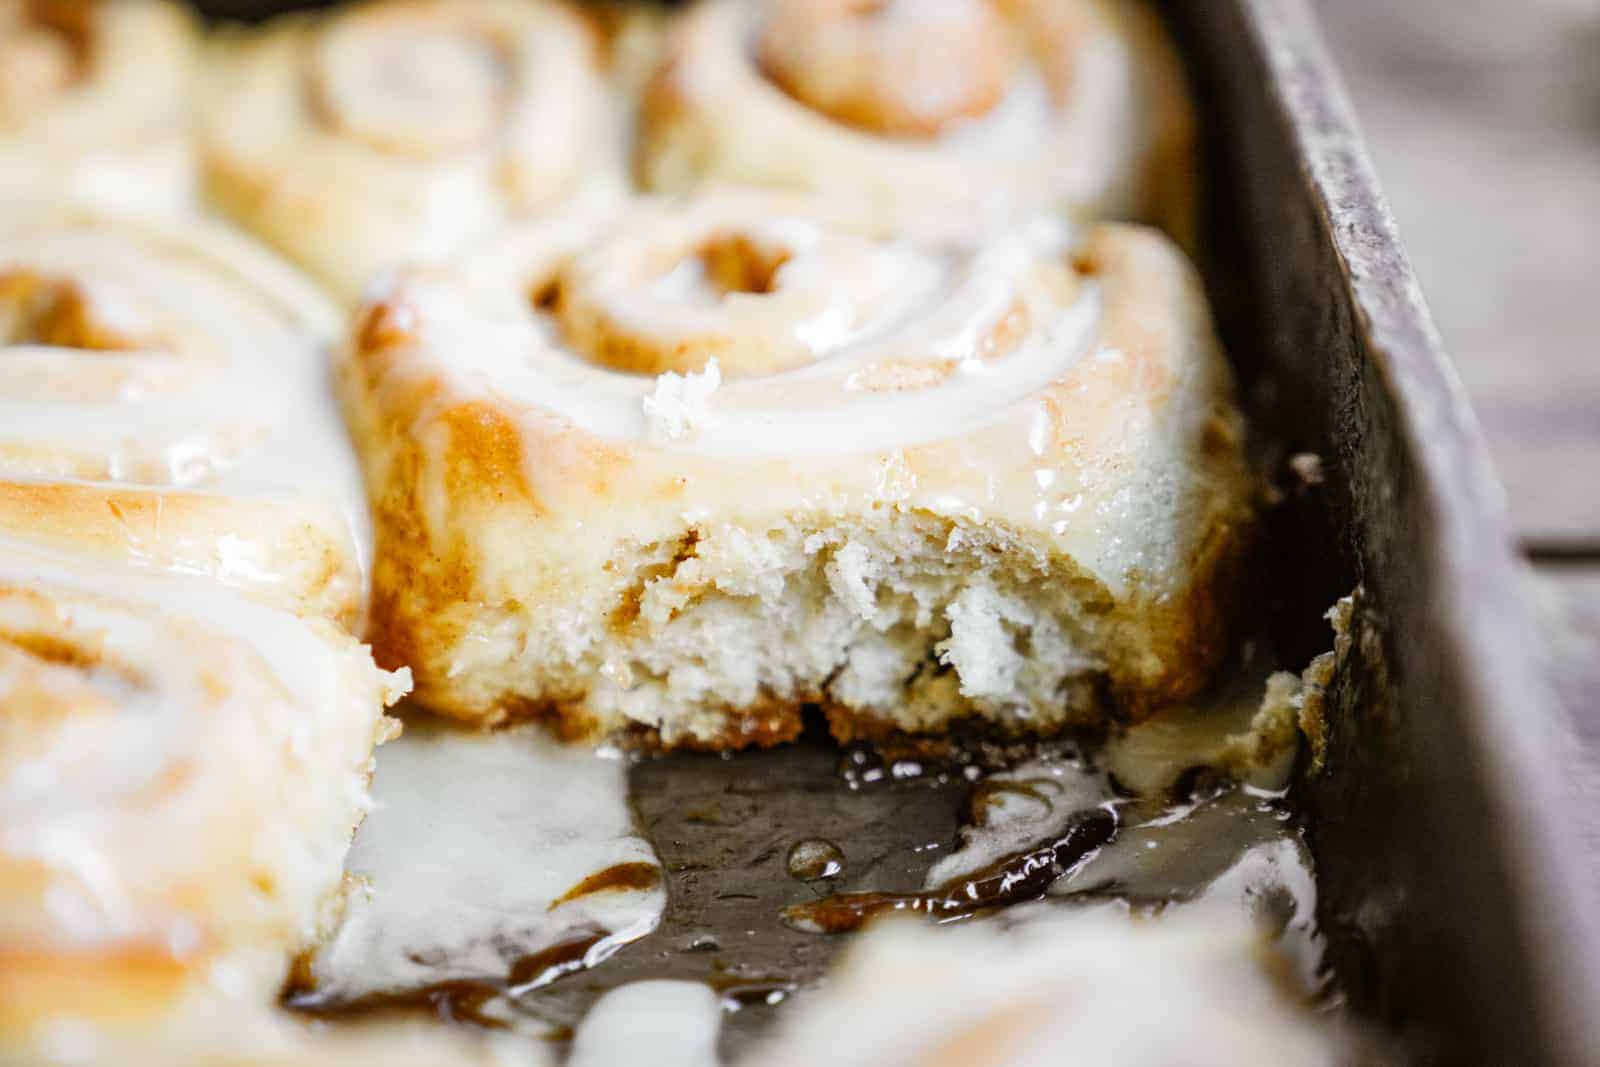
(682, 472)
(396, 130)
(181, 769)
(955, 110)
(165, 402)
(94, 101)
(187, 730)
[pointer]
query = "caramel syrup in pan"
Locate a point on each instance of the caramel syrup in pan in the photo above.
(1020, 876)
(616, 877)
(765, 854)
(459, 1000)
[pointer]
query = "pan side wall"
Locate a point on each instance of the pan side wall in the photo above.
(1445, 882)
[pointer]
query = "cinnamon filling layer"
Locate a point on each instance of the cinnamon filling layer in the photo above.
(61, 312)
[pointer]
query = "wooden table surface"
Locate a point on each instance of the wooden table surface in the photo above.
(1483, 119)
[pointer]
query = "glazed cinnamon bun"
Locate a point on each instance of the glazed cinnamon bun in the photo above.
(397, 130)
(181, 769)
(94, 101)
(948, 111)
(1061, 985)
(187, 728)
(165, 401)
(681, 472)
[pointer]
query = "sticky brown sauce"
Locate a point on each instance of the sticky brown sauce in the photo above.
(621, 876)
(739, 989)
(739, 839)
(460, 1001)
(1023, 875)
(449, 1002)
(545, 966)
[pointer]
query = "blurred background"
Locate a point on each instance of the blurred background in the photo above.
(1483, 118)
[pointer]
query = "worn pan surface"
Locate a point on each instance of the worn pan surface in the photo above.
(1453, 892)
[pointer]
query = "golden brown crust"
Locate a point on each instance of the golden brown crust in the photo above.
(472, 455)
(283, 551)
(168, 408)
(762, 724)
(1204, 624)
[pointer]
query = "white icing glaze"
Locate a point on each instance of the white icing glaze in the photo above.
(1273, 883)
(474, 839)
(1072, 130)
(1044, 986)
(1215, 730)
(229, 388)
(88, 806)
(662, 1023)
(1234, 852)
(950, 327)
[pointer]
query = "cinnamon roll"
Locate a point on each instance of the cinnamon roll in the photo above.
(187, 729)
(955, 110)
(682, 472)
(1064, 985)
(397, 130)
(94, 100)
(165, 401)
(181, 769)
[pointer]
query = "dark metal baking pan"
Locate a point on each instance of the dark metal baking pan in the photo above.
(1452, 889)
(1453, 894)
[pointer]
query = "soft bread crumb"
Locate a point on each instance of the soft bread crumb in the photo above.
(1294, 704)
(1319, 673)
(895, 622)
(396, 686)
(1274, 730)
